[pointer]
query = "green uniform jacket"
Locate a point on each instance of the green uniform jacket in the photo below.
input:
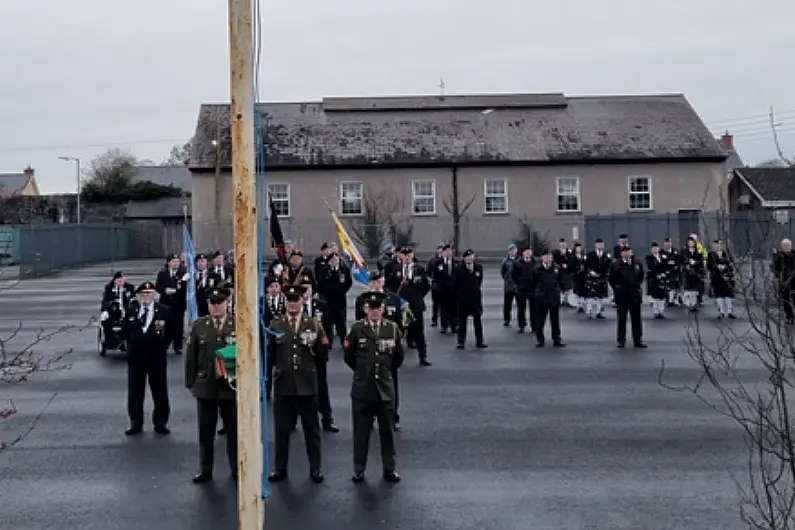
(200, 374)
(295, 355)
(372, 354)
(392, 309)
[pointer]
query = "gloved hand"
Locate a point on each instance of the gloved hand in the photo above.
(277, 270)
(104, 316)
(186, 277)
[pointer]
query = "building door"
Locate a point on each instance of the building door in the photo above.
(689, 223)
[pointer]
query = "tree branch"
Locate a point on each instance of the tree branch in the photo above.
(24, 434)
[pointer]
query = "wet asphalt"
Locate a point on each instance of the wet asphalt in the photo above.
(510, 438)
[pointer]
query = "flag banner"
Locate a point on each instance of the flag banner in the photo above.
(407, 315)
(358, 268)
(277, 236)
(190, 261)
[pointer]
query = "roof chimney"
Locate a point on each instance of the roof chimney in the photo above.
(29, 172)
(727, 141)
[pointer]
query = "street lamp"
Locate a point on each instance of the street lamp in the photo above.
(77, 164)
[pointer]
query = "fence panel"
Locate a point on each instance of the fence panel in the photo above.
(45, 249)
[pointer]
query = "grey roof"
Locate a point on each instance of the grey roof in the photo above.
(436, 130)
(770, 183)
(169, 207)
(12, 183)
(734, 161)
(178, 176)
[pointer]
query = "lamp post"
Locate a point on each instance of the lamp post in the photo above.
(77, 165)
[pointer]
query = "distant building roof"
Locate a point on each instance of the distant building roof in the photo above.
(734, 161)
(14, 183)
(178, 176)
(465, 130)
(169, 207)
(769, 184)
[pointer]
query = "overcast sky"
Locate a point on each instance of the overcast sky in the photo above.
(78, 77)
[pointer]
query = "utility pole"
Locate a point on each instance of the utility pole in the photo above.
(217, 183)
(250, 506)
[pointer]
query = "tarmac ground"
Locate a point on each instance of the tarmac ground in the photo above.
(509, 438)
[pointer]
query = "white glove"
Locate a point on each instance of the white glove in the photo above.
(278, 269)
(104, 316)
(186, 277)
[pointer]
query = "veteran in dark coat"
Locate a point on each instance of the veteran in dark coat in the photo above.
(214, 394)
(373, 349)
(147, 328)
(172, 287)
(626, 278)
(548, 285)
(468, 284)
(297, 346)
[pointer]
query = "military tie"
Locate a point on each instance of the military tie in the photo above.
(449, 266)
(219, 323)
(145, 316)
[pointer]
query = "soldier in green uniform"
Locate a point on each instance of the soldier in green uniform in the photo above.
(373, 349)
(213, 393)
(296, 348)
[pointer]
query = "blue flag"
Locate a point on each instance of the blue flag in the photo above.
(190, 258)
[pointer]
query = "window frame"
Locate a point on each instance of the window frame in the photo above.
(486, 195)
(342, 198)
(577, 195)
(414, 196)
(630, 193)
(288, 200)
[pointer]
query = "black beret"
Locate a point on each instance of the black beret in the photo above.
(293, 293)
(217, 253)
(599, 240)
(623, 236)
(324, 246)
(374, 275)
(446, 246)
(145, 286)
(468, 252)
(625, 247)
(655, 244)
(201, 256)
(296, 253)
(270, 280)
(171, 256)
(117, 275)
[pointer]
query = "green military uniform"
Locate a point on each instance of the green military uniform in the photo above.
(373, 351)
(213, 394)
(296, 348)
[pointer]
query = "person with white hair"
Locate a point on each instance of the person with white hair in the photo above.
(784, 269)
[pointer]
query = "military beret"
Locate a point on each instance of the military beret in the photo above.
(623, 236)
(201, 256)
(117, 275)
(270, 280)
(406, 250)
(562, 240)
(625, 248)
(599, 240)
(296, 253)
(171, 256)
(374, 275)
(374, 298)
(293, 293)
(324, 246)
(655, 244)
(446, 246)
(468, 252)
(219, 293)
(145, 287)
(217, 253)
(440, 246)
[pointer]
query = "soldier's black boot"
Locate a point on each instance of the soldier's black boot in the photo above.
(391, 476)
(329, 425)
(201, 478)
(278, 476)
(134, 429)
(317, 476)
(358, 477)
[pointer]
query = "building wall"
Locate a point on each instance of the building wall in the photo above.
(531, 195)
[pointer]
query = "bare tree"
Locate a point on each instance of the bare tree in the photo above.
(381, 221)
(179, 155)
(774, 125)
(456, 208)
(762, 342)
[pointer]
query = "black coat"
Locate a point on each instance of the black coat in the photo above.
(597, 269)
(150, 346)
(693, 270)
(176, 301)
(562, 258)
(721, 274)
(657, 276)
(626, 279)
(119, 298)
(225, 274)
(412, 290)
(468, 289)
(579, 271)
(333, 285)
(522, 276)
(547, 285)
(784, 269)
(441, 275)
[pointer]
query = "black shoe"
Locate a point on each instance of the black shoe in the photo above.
(425, 362)
(221, 431)
(731, 316)
(434, 323)
(177, 352)
(520, 330)
(133, 430)
(459, 346)
(201, 478)
(411, 346)
(317, 476)
(559, 344)
(621, 344)
(443, 331)
(506, 323)
(641, 345)
(391, 476)
(396, 426)
(277, 476)
(540, 344)
(330, 426)
(580, 310)
(481, 345)
(600, 316)
(358, 477)
(162, 429)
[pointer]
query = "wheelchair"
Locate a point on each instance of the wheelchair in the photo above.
(109, 331)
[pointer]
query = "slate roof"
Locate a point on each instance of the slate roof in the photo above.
(769, 183)
(466, 130)
(168, 207)
(12, 183)
(179, 176)
(734, 161)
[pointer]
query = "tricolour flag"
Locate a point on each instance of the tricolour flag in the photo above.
(190, 259)
(358, 268)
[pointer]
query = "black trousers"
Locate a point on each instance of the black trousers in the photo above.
(523, 303)
(178, 314)
(286, 410)
(207, 412)
(542, 310)
(436, 306)
(507, 305)
(336, 322)
(156, 373)
(463, 314)
(416, 334)
(633, 309)
(397, 393)
(323, 398)
(364, 412)
(449, 310)
(787, 302)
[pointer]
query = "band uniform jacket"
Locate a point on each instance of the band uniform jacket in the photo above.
(626, 279)
(385, 262)
(118, 296)
(579, 273)
(204, 280)
(467, 286)
(784, 269)
(165, 281)
(693, 269)
(392, 309)
(597, 268)
(562, 258)
(295, 354)
(150, 345)
(333, 285)
(373, 355)
(657, 276)
(319, 271)
(201, 377)
(721, 274)
(219, 275)
(412, 288)
(270, 307)
(506, 273)
(522, 276)
(442, 274)
(297, 276)
(547, 285)
(673, 263)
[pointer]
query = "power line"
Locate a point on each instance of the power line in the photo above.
(87, 146)
(762, 118)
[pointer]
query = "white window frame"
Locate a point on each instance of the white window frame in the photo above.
(487, 196)
(577, 194)
(343, 199)
(276, 201)
(630, 193)
(414, 196)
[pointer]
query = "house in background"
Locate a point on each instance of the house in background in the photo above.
(734, 161)
(561, 164)
(760, 189)
(19, 184)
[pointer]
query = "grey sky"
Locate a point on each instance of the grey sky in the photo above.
(81, 76)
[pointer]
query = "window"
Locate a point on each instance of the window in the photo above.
(351, 198)
(423, 197)
(280, 195)
(496, 196)
(568, 194)
(640, 193)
